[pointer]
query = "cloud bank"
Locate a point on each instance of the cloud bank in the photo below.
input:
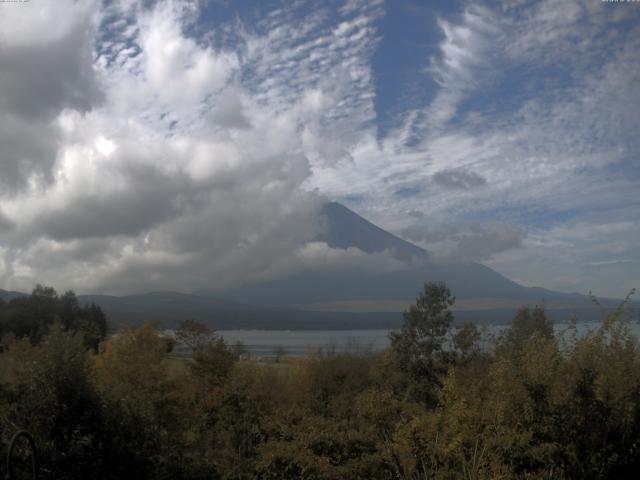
(154, 164)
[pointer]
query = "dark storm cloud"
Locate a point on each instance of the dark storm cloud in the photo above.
(148, 198)
(28, 150)
(38, 81)
(458, 179)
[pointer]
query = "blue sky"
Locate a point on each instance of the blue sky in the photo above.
(177, 144)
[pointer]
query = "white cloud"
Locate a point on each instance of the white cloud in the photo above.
(554, 144)
(458, 243)
(598, 253)
(188, 173)
(180, 72)
(465, 52)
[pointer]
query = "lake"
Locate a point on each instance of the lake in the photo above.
(302, 342)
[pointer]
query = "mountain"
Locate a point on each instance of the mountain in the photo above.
(8, 296)
(472, 283)
(170, 308)
(351, 298)
(345, 229)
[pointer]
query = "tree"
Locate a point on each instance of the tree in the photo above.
(32, 316)
(526, 325)
(142, 411)
(92, 324)
(193, 334)
(69, 310)
(212, 362)
(419, 343)
(239, 349)
(466, 340)
(279, 351)
(53, 398)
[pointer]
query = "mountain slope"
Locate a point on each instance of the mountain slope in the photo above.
(347, 229)
(8, 295)
(170, 308)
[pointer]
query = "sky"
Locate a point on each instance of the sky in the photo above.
(185, 145)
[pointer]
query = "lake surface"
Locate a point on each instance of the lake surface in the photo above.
(302, 342)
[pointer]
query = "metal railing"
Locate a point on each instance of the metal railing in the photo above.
(19, 433)
(32, 446)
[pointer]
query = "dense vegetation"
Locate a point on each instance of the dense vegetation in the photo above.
(441, 402)
(32, 317)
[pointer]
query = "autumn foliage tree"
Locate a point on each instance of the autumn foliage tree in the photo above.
(193, 334)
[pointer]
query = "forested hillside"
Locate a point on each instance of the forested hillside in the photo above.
(31, 317)
(441, 402)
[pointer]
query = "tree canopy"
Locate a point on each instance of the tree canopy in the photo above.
(32, 316)
(443, 401)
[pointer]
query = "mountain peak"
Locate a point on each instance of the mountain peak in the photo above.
(345, 229)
